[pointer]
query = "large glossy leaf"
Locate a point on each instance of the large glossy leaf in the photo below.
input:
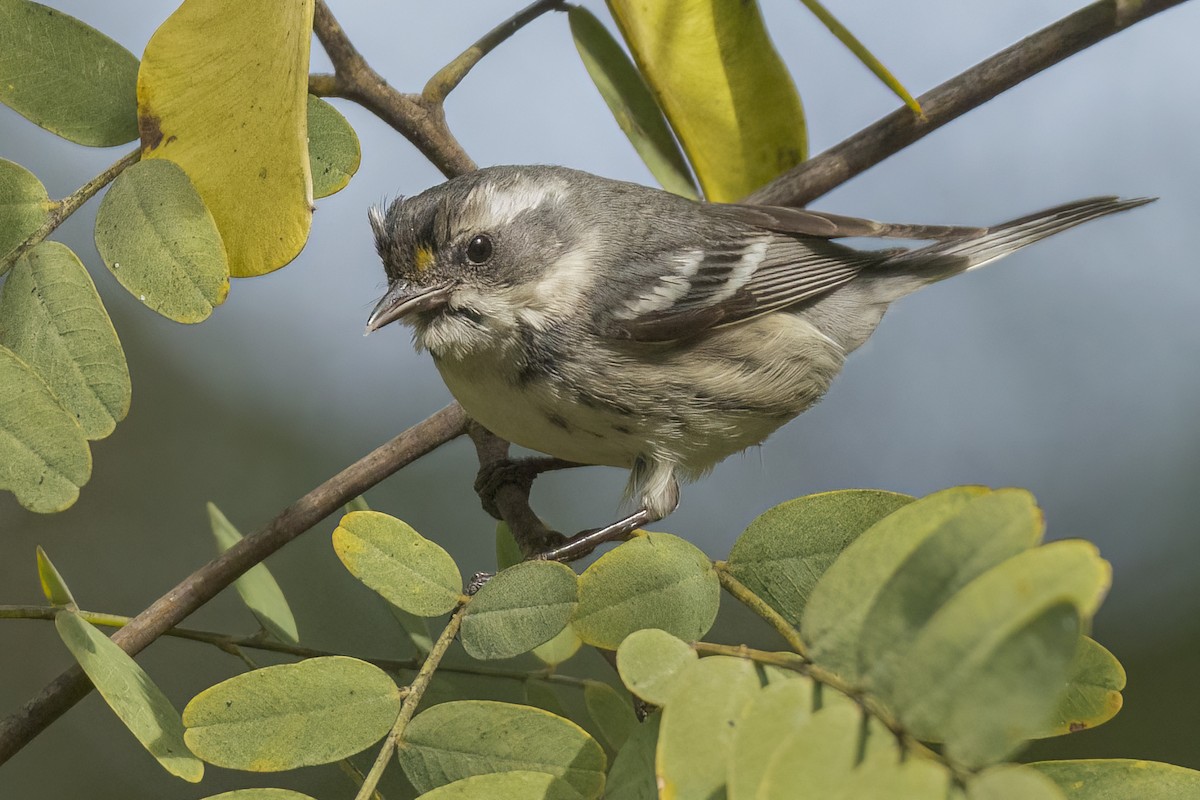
(410, 571)
(24, 206)
(292, 715)
(1093, 694)
(333, 149)
(520, 608)
(52, 317)
(650, 662)
(832, 620)
(462, 738)
(723, 87)
(653, 581)
(160, 242)
(698, 724)
(1121, 779)
(44, 457)
(223, 92)
(630, 101)
(131, 694)
(786, 549)
(632, 775)
(517, 785)
(257, 586)
(66, 76)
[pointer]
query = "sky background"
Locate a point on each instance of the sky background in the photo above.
(1069, 369)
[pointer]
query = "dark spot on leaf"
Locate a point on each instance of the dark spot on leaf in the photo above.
(150, 131)
(262, 174)
(1076, 727)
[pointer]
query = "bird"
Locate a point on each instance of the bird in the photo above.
(610, 323)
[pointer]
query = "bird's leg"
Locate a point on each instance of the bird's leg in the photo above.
(519, 472)
(585, 542)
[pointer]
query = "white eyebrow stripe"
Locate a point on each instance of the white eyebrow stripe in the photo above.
(503, 205)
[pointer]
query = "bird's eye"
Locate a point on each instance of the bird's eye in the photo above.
(479, 250)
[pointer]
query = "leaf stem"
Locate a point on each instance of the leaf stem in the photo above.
(61, 209)
(416, 690)
(742, 594)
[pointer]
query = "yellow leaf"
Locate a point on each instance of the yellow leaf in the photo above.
(222, 92)
(722, 86)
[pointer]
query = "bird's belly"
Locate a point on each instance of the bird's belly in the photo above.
(536, 416)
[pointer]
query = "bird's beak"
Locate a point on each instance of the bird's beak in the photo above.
(403, 299)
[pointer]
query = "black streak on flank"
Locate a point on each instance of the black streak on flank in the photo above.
(557, 421)
(541, 360)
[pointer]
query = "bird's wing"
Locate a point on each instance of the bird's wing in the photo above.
(690, 290)
(803, 222)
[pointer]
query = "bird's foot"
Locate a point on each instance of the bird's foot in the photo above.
(584, 542)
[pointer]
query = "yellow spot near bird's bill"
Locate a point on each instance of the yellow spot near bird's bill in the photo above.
(424, 259)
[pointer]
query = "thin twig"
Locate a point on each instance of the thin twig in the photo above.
(954, 98)
(448, 77)
(202, 585)
(756, 604)
(416, 690)
(64, 208)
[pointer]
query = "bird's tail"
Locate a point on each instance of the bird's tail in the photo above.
(945, 258)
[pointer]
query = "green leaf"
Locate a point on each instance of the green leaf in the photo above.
(292, 715)
(415, 628)
(257, 586)
(1000, 650)
(765, 724)
(650, 662)
(358, 503)
(66, 76)
(259, 794)
(508, 552)
(52, 317)
(653, 581)
(631, 103)
(984, 533)
(722, 85)
(1010, 781)
(632, 775)
(520, 608)
(819, 754)
(214, 78)
(1093, 694)
(885, 772)
(542, 695)
(53, 585)
(157, 238)
(785, 550)
(410, 571)
(131, 694)
(560, 648)
(44, 458)
(1121, 779)
(832, 621)
(462, 738)
(698, 724)
(611, 711)
(518, 785)
(333, 149)
(864, 55)
(24, 205)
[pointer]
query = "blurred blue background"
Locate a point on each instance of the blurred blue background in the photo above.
(1069, 369)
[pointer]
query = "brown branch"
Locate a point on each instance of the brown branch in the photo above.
(954, 98)
(202, 585)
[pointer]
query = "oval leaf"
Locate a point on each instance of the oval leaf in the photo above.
(131, 694)
(819, 754)
(44, 458)
(786, 549)
(24, 205)
(767, 721)
(1012, 781)
(629, 99)
(259, 794)
(159, 241)
(333, 149)
(632, 775)
(411, 572)
(53, 585)
(462, 738)
(722, 85)
(52, 317)
(1093, 694)
(653, 581)
(1121, 779)
(560, 648)
(65, 76)
(256, 184)
(520, 608)
(517, 785)
(292, 715)
(650, 662)
(611, 711)
(256, 586)
(698, 725)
